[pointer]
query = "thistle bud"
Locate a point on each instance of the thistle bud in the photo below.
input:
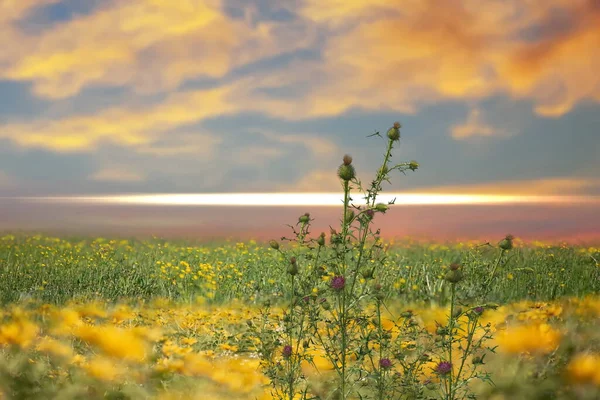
(346, 172)
(381, 207)
(454, 276)
(506, 243)
(292, 269)
(321, 239)
(413, 165)
(274, 244)
(287, 351)
(394, 132)
(304, 219)
(457, 312)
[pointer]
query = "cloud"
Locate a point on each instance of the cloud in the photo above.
(423, 52)
(377, 56)
(117, 174)
(149, 45)
(315, 181)
(125, 126)
(198, 144)
(474, 126)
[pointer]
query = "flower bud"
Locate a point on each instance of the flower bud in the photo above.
(304, 219)
(385, 363)
(292, 269)
(394, 132)
(347, 159)
(381, 207)
(457, 312)
(274, 244)
(506, 243)
(346, 172)
(454, 276)
(321, 239)
(413, 165)
(287, 351)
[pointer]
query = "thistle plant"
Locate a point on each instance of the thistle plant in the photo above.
(339, 288)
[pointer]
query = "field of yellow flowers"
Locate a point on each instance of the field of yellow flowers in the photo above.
(125, 319)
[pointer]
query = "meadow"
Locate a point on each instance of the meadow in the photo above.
(338, 315)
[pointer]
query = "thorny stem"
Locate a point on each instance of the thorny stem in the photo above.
(487, 283)
(372, 196)
(450, 394)
(381, 371)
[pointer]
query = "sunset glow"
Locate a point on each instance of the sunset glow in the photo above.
(310, 199)
(179, 103)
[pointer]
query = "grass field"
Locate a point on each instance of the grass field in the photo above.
(101, 318)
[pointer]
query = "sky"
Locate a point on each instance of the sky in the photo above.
(266, 96)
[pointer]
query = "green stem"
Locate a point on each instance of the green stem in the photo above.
(450, 394)
(381, 371)
(470, 332)
(487, 283)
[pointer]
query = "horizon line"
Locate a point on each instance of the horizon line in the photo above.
(306, 199)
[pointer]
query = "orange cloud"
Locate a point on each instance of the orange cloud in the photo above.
(132, 127)
(381, 55)
(421, 52)
(151, 45)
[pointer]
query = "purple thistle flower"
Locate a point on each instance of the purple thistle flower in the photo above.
(478, 310)
(338, 282)
(443, 368)
(287, 351)
(385, 363)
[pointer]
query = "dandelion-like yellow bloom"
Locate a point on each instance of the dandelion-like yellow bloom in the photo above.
(584, 368)
(20, 332)
(115, 342)
(54, 347)
(103, 369)
(536, 338)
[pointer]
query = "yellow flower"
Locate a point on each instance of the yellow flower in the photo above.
(115, 342)
(584, 368)
(54, 347)
(103, 369)
(19, 332)
(536, 338)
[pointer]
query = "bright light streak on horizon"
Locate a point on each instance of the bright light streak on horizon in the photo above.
(306, 199)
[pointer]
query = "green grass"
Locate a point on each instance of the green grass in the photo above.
(55, 270)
